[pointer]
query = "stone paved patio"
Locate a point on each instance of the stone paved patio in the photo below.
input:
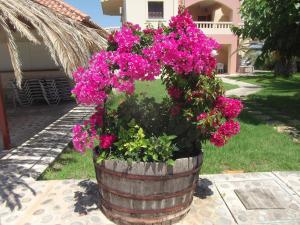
(74, 202)
(21, 166)
(25, 122)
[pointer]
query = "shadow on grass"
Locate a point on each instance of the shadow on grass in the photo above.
(286, 106)
(247, 118)
(279, 98)
(275, 83)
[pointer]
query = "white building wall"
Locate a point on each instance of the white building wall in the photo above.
(36, 61)
(32, 56)
(137, 12)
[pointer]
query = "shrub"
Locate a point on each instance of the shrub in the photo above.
(196, 110)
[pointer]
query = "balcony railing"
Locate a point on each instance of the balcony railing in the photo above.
(215, 27)
(112, 29)
(206, 27)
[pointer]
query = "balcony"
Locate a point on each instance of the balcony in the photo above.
(207, 27)
(211, 28)
(111, 7)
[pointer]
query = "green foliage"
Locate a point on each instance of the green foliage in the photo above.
(200, 92)
(155, 119)
(276, 22)
(133, 145)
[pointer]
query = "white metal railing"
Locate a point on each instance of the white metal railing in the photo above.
(112, 29)
(207, 27)
(215, 27)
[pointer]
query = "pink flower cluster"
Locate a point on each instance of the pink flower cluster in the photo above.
(230, 108)
(224, 133)
(182, 49)
(107, 140)
(91, 83)
(126, 39)
(225, 108)
(186, 49)
(80, 139)
(118, 69)
(85, 136)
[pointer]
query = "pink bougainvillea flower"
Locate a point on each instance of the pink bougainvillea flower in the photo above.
(107, 140)
(80, 138)
(230, 108)
(202, 116)
(185, 49)
(217, 139)
(229, 128)
(224, 133)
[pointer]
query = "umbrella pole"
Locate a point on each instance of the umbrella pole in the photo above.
(3, 120)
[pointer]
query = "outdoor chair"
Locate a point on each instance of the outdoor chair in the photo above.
(220, 68)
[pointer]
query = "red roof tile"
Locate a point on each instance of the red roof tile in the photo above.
(63, 8)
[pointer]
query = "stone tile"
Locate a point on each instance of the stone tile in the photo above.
(242, 215)
(291, 179)
(208, 207)
(239, 176)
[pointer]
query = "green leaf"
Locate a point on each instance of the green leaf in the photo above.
(171, 162)
(96, 142)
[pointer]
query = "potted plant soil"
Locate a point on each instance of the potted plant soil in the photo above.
(148, 155)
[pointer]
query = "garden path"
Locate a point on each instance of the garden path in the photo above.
(24, 122)
(244, 89)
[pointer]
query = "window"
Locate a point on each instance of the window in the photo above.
(155, 10)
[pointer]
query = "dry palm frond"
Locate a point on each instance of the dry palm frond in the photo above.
(69, 42)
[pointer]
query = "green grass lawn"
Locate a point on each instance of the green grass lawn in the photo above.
(257, 148)
(282, 94)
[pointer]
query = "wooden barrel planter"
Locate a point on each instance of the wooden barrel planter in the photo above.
(147, 193)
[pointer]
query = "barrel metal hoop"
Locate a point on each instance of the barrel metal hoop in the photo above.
(150, 177)
(174, 209)
(148, 197)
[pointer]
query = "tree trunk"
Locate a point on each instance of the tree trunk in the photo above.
(285, 66)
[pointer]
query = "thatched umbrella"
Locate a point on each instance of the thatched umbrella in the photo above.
(69, 41)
